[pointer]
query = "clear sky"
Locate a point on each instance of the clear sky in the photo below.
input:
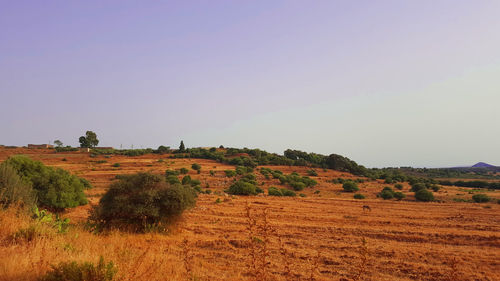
(385, 83)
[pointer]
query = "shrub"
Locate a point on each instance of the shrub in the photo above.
(81, 272)
(398, 186)
(13, 190)
(350, 186)
(359, 196)
(273, 191)
(212, 173)
(312, 173)
(424, 195)
(288, 192)
(55, 188)
(140, 200)
(417, 187)
(241, 187)
(399, 195)
(435, 187)
(186, 180)
(297, 186)
(196, 167)
(116, 165)
(481, 198)
(230, 173)
(302, 194)
(171, 173)
(386, 194)
(184, 171)
(171, 179)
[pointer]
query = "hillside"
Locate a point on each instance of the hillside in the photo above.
(321, 234)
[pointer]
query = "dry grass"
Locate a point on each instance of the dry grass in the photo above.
(314, 238)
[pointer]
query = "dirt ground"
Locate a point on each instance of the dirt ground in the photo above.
(323, 236)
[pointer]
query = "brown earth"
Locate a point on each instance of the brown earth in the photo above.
(318, 237)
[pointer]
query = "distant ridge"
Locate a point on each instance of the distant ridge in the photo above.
(482, 165)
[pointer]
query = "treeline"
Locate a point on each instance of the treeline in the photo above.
(473, 184)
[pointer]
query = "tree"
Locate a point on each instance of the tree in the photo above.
(58, 143)
(424, 195)
(89, 140)
(350, 186)
(182, 148)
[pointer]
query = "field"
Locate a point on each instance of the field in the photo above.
(323, 236)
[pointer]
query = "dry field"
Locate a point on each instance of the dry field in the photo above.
(324, 236)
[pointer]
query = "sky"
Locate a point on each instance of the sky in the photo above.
(385, 83)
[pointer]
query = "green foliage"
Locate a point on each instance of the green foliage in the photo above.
(186, 180)
(399, 195)
(13, 190)
(242, 187)
(163, 149)
(212, 173)
(350, 186)
(418, 186)
(172, 179)
(359, 196)
(387, 193)
(481, 198)
(44, 216)
(89, 140)
(273, 191)
(302, 195)
(398, 186)
(182, 148)
(230, 173)
(297, 182)
(141, 200)
(183, 171)
(288, 192)
(312, 173)
(54, 187)
(58, 143)
(116, 165)
(424, 195)
(196, 167)
(66, 149)
(171, 173)
(86, 271)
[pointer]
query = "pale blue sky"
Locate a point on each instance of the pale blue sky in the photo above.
(386, 83)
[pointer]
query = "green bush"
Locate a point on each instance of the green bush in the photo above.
(424, 195)
(312, 173)
(171, 179)
(13, 190)
(399, 195)
(186, 180)
(140, 200)
(184, 171)
(212, 173)
(359, 196)
(86, 271)
(116, 165)
(230, 173)
(171, 173)
(481, 198)
(398, 186)
(297, 186)
(417, 187)
(387, 194)
(196, 167)
(288, 192)
(273, 191)
(241, 187)
(55, 188)
(350, 186)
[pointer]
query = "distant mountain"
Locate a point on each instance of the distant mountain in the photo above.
(482, 165)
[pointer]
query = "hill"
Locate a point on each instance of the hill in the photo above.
(482, 165)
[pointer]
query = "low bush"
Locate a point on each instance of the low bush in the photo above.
(424, 195)
(417, 187)
(359, 196)
(312, 173)
(81, 272)
(183, 171)
(241, 187)
(116, 165)
(13, 190)
(350, 186)
(398, 186)
(138, 201)
(171, 173)
(399, 195)
(288, 192)
(481, 198)
(273, 191)
(230, 173)
(196, 167)
(387, 194)
(55, 188)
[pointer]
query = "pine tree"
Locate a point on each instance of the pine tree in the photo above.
(182, 148)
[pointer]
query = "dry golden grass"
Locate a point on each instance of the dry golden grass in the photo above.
(319, 237)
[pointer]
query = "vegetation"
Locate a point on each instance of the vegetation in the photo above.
(387, 193)
(296, 181)
(230, 173)
(55, 188)
(86, 271)
(274, 191)
(474, 184)
(398, 186)
(350, 186)
(481, 198)
(424, 195)
(89, 140)
(359, 196)
(13, 190)
(242, 187)
(196, 167)
(139, 201)
(182, 148)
